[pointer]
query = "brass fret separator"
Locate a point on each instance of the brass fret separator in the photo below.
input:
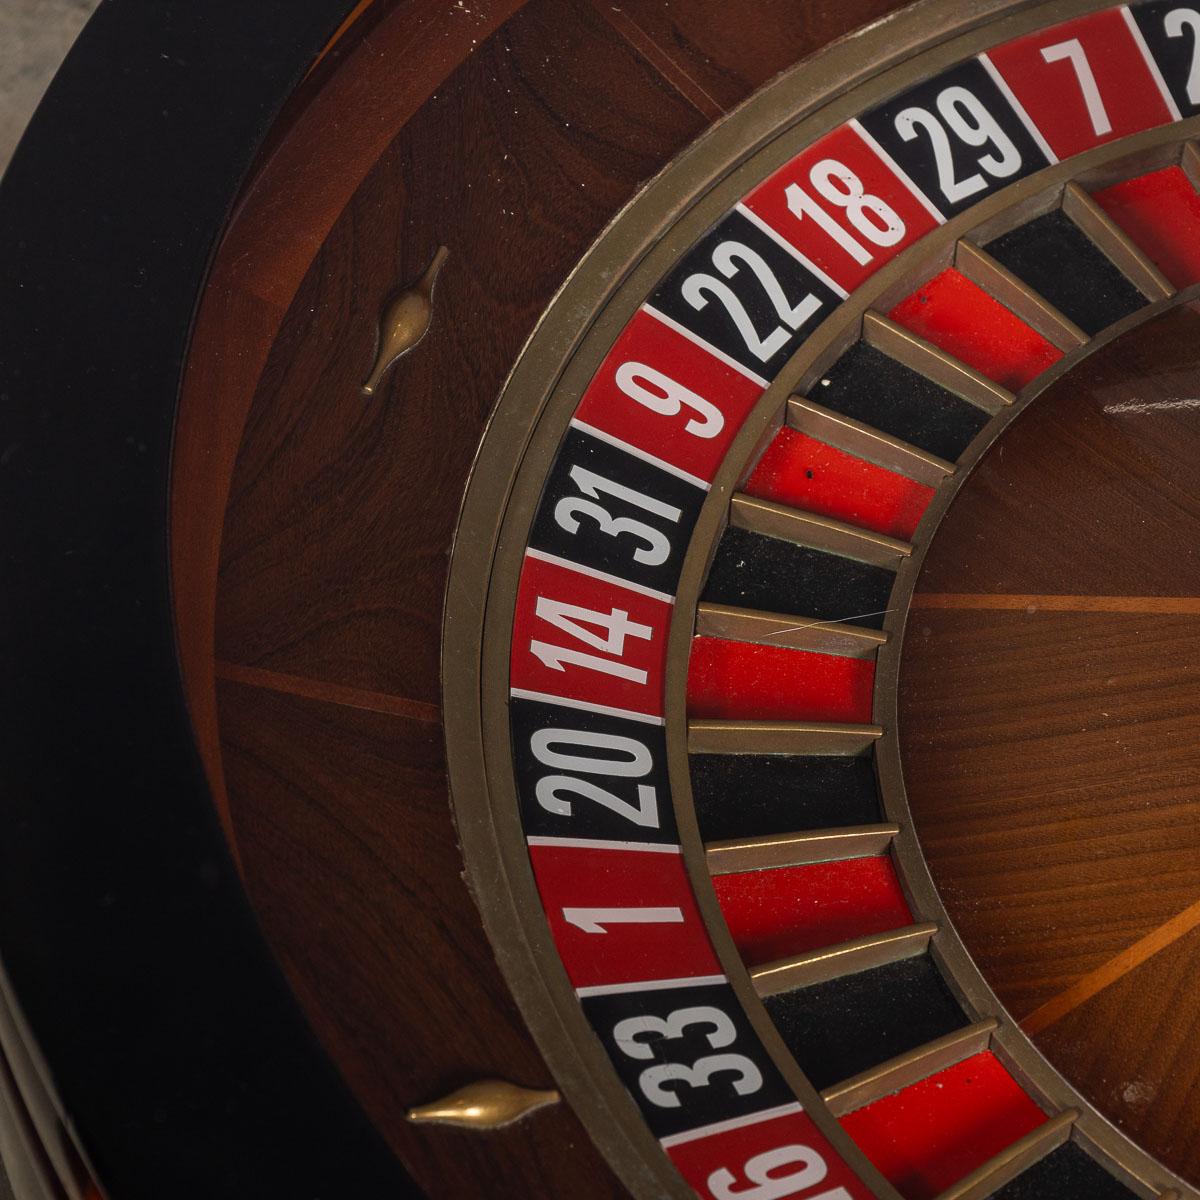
(926, 359)
(736, 855)
(818, 533)
(988, 1179)
(793, 633)
(1124, 253)
(846, 958)
(906, 1069)
(781, 737)
(1017, 296)
(866, 442)
(1189, 162)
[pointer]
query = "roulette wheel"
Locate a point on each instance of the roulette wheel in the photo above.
(599, 600)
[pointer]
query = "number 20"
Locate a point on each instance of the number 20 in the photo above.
(616, 756)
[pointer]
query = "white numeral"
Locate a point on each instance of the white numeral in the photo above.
(1072, 51)
(967, 118)
(726, 258)
(550, 789)
(558, 658)
(625, 758)
(631, 1033)
(657, 547)
(636, 1037)
(574, 619)
(1179, 22)
(630, 758)
(835, 183)
(661, 394)
(591, 484)
(653, 1079)
(593, 920)
(802, 1168)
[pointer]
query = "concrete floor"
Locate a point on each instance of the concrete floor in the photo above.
(34, 37)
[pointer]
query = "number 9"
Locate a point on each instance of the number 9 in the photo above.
(670, 398)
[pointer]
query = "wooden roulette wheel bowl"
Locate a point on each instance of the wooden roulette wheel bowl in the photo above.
(285, 649)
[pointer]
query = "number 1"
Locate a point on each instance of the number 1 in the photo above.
(594, 920)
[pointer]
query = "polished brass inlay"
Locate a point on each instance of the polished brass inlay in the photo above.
(866, 442)
(819, 533)
(988, 1179)
(780, 737)
(27, 1170)
(40, 1149)
(1189, 161)
(846, 958)
(1017, 296)
(944, 369)
(1120, 248)
(486, 1104)
(779, 629)
(404, 322)
(736, 855)
(906, 1069)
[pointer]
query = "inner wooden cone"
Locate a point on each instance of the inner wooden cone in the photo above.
(1049, 726)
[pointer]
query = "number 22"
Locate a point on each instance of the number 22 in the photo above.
(1177, 23)
(726, 257)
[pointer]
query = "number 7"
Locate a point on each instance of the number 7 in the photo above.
(1073, 52)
